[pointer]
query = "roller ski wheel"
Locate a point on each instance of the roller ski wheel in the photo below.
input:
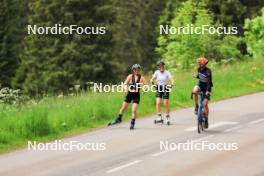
(159, 121)
(132, 127)
(168, 120)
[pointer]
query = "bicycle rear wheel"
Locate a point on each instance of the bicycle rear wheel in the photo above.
(199, 127)
(200, 120)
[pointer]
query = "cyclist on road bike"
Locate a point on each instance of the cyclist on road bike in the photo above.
(162, 77)
(133, 82)
(204, 74)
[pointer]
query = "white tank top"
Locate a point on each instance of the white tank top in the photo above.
(162, 78)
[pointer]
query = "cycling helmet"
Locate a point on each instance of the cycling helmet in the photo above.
(202, 61)
(135, 66)
(160, 63)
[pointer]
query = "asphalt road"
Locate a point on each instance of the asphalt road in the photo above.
(235, 122)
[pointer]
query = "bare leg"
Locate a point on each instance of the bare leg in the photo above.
(134, 115)
(123, 108)
(166, 105)
(206, 108)
(134, 110)
(167, 110)
(196, 90)
(158, 100)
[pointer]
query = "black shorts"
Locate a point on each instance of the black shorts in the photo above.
(162, 93)
(203, 89)
(132, 96)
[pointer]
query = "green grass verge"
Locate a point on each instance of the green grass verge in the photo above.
(53, 118)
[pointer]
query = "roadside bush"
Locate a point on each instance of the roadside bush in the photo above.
(10, 96)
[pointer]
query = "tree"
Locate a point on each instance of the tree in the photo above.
(179, 49)
(11, 36)
(53, 63)
(254, 35)
(234, 12)
(165, 19)
(134, 31)
(183, 49)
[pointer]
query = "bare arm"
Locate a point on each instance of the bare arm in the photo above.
(144, 82)
(154, 77)
(171, 79)
(127, 80)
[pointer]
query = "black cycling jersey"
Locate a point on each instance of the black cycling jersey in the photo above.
(205, 78)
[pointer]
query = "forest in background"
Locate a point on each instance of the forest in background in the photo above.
(53, 63)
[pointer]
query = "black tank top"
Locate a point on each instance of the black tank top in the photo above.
(134, 83)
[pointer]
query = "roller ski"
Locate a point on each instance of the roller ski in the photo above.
(159, 119)
(168, 120)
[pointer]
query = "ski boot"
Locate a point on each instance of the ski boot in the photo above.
(206, 124)
(116, 121)
(132, 125)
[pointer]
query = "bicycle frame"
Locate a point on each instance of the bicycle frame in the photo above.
(200, 115)
(200, 108)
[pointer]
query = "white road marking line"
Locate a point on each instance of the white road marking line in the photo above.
(232, 129)
(123, 166)
(160, 153)
(213, 125)
(256, 121)
(202, 138)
